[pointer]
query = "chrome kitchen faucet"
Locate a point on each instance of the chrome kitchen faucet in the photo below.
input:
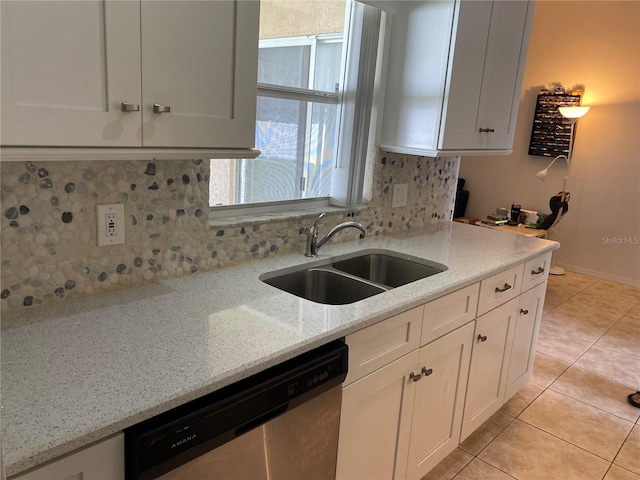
(314, 245)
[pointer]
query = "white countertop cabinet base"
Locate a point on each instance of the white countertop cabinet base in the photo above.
(455, 75)
(438, 404)
(489, 364)
(525, 336)
(68, 67)
(375, 414)
(406, 406)
(100, 461)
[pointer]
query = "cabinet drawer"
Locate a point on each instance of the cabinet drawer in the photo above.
(536, 271)
(448, 313)
(380, 344)
(502, 287)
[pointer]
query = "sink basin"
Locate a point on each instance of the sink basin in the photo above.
(339, 282)
(324, 286)
(387, 269)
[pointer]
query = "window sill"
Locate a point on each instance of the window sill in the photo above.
(272, 217)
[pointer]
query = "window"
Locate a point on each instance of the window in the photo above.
(301, 76)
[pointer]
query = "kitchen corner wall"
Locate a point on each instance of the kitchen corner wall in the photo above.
(49, 252)
(600, 235)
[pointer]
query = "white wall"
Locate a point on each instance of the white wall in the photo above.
(597, 45)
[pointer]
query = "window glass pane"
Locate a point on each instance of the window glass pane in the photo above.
(300, 46)
(327, 71)
(287, 66)
(298, 144)
(320, 149)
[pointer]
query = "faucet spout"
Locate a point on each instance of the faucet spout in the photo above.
(314, 245)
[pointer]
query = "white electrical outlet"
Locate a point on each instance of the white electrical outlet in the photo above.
(400, 192)
(110, 220)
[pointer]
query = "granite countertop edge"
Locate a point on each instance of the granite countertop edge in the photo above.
(82, 370)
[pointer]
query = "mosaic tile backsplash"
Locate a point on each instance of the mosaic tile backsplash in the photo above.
(48, 236)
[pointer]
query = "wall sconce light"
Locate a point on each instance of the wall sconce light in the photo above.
(572, 114)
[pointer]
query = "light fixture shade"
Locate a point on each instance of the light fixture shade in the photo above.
(573, 112)
(542, 174)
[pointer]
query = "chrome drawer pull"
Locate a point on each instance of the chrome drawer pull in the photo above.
(523, 311)
(157, 108)
(130, 107)
(487, 130)
(427, 371)
(503, 289)
(482, 338)
(537, 272)
(415, 377)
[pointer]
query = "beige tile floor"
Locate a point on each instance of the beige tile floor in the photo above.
(572, 420)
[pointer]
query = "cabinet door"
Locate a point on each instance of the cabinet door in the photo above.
(376, 412)
(438, 404)
(102, 461)
(67, 67)
(489, 366)
(200, 61)
(485, 77)
(523, 347)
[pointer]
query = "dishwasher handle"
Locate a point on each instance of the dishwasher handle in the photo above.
(261, 419)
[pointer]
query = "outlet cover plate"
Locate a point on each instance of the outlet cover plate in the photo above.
(110, 233)
(400, 193)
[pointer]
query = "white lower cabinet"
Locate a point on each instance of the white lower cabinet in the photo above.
(408, 403)
(437, 407)
(525, 336)
(489, 366)
(401, 420)
(372, 409)
(101, 461)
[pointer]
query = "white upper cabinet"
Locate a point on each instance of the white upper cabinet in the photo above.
(66, 68)
(199, 58)
(71, 69)
(455, 75)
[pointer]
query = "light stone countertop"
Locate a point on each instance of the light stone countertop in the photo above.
(86, 368)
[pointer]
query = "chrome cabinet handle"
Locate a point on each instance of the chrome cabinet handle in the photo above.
(537, 272)
(157, 108)
(130, 107)
(415, 377)
(503, 289)
(523, 311)
(487, 130)
(482, 338)
(427, 371)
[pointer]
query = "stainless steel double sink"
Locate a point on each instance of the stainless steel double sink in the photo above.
(348, 280)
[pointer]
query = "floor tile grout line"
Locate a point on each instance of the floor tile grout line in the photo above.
(578, 446)
(633, 422)
(496, 436)
(567, 442)
(573, 364)
(486, 463)
(621, 447)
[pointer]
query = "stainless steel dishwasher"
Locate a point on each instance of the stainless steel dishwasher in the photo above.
(281, 423)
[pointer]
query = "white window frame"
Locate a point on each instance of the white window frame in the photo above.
(363, 28)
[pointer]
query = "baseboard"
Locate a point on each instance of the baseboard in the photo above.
(604, 276)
